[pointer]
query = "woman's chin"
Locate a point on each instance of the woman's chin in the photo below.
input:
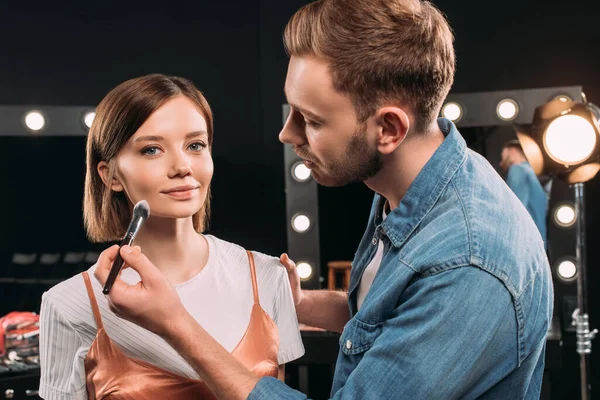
(175, 214)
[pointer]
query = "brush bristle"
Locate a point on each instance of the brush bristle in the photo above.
(142, 209)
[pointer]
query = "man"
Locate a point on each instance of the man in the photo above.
(461, 294)
(524, 183)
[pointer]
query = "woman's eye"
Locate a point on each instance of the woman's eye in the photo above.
(150, 151)
(197, 146)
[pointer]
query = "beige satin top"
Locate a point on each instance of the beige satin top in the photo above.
(110, 374)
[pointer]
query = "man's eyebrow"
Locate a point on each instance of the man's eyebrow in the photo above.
(307, 113)
(304, 111)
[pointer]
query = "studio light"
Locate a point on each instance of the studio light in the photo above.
(562, 141)
(566, 270)
(569, 139)
(452, 111)
(35, 121)
(300, 172)
(507, 109)
(300, 223)
(564, 215)
(305, 270)
(88, 119)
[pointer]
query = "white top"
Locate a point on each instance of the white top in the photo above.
(220, 298)
(370, 272)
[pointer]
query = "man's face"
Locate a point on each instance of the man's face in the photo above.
(323, 127)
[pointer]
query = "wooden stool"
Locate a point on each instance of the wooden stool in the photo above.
(336, 267)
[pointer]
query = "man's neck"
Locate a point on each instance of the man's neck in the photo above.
(404, 164)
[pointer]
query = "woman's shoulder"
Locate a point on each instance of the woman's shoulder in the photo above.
(67, 291)
(69, 299)
(265, 264)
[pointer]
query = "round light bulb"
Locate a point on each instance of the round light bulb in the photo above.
(89, 118)
(300, 172)
(304, 270)
(301, 223)
(567, 270)
(564, 215)
(452, 111)
(563, 98)
(570, 139)
(507, 109)
(35, 120)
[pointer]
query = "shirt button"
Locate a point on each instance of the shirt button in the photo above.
(348, 344)
(374, 241)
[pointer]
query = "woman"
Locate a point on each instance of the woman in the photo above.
(151, 140)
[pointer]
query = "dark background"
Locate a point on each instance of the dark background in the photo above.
(59, 55)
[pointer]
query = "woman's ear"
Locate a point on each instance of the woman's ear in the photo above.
(110, 180)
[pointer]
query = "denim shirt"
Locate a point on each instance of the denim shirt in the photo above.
(461, 304)
(527, 187)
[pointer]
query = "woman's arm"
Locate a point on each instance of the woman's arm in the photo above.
(62, 373)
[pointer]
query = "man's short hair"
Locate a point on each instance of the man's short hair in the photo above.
(379, 51)
(513, 143)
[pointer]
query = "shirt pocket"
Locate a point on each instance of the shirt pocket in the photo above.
(358, 337)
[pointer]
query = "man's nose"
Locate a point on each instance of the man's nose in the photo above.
(292, 133)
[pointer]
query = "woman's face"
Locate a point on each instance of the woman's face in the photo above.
(167, 161)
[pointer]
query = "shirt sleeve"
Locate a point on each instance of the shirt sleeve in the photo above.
(61, 355)
(445, 340)
(290, 341)
(517, 182)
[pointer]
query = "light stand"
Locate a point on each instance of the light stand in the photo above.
(580, 316)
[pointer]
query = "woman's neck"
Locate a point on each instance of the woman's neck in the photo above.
(174, 247)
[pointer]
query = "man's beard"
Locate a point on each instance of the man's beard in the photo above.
(359, 162)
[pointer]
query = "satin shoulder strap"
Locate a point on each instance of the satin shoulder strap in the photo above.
(253, 274)
(95, 309)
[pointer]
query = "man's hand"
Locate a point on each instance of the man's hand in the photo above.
(294, 278)
(152, 303)
(325, 309)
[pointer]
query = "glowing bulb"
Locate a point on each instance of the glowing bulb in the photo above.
(35, 120)
(564, 215)
(452, 111)
(507, 109)
(567, 270)
(570, 139)
(304, 270)
(300, 223)
(563, 98)
(89, 118)
(300, 172)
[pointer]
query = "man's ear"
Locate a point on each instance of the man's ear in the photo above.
(393, 125)
(109, 177)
